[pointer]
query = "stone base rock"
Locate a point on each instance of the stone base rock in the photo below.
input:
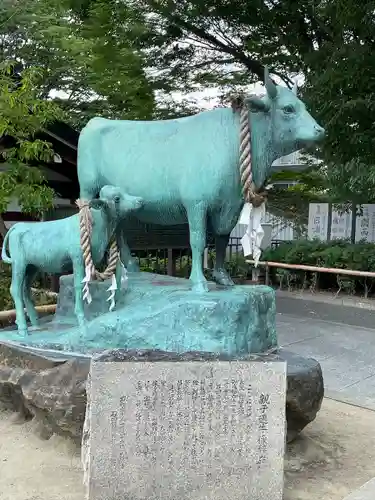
(52, 388)
(161, 312)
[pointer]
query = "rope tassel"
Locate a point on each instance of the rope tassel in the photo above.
(112, 289)
(86, 291)
(85, 227)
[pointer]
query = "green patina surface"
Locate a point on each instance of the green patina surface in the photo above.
(188, 169)
(161, 312)
(184, 170)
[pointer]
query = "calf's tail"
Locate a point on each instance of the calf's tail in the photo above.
(4, 256)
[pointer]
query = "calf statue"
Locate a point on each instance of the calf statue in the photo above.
(55, 247)
(196, 169)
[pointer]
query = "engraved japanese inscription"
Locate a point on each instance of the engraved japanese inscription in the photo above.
(187, 430)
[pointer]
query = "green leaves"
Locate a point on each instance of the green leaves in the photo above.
(26, 185)
(88, 52)
(332, 254)
(22, 115)
(195, 44)
(126, 59)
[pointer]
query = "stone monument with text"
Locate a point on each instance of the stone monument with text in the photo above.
(185, 429)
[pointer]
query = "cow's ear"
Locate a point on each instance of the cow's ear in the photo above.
(256, 104)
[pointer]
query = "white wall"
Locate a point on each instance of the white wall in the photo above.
(281, 228)
(13, 206)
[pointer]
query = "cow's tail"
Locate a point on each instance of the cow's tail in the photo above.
(4, 256)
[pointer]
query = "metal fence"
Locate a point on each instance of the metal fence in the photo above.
(175, 262)
(159, 261)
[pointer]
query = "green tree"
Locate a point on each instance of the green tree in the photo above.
(90, 68)
(22, 116)
(196, 44)
(292, 203)
(125, 59)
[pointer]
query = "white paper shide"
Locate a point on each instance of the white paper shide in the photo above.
(252, 239)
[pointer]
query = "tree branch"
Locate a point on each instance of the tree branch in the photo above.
(212, 61)
(251, 64)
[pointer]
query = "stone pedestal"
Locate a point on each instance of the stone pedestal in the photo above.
(44, 374)
(161, 312)
(52, 386)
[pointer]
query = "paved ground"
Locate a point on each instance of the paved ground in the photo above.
(340, 337)
(365, 493)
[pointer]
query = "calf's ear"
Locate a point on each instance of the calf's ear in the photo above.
(139, 201)
(256, 104)
(97, 204)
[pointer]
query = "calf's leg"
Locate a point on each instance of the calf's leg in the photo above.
(79, 274)
(16, 290)
(125, 255)
(30, 307)
(197, 218)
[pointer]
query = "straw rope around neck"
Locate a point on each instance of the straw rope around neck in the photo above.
(249, 191)
(85, 227)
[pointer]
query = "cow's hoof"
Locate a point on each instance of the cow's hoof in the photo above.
(34, 322)
(221, 277)
(201, 287)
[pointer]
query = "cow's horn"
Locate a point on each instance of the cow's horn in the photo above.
(269, 84)
(295, 88)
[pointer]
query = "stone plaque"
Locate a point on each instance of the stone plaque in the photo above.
(185, 430)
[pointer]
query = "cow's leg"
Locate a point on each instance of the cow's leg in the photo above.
(30, 307)
(220, 274)
(16, 290)
(223, 221)
(79, 274)
(197, 218)
(125, 255)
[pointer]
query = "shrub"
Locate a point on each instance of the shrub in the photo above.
(333, 254)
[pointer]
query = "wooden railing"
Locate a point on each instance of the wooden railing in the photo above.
(314, 269)
(9, 317)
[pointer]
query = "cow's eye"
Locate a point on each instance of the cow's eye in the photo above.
(288, 109)
(117, 199)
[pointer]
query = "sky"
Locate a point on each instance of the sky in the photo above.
(207, 98)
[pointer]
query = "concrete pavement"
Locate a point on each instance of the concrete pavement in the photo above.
(340, 337)
(366, 492)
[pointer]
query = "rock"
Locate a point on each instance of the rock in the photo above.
(53, 389)
(305, 391)
(162, 312)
